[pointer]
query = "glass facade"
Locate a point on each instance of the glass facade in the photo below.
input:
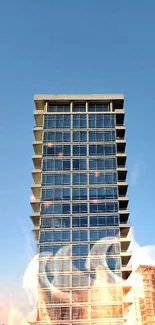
(79, 216)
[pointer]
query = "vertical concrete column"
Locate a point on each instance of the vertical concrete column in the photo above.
(111, 107)
(86, 107)
(46, 107)
(71, 107)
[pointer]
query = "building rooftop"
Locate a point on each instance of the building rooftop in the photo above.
(42, 99)
(79, 97)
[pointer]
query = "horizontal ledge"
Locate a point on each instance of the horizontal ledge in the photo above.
(79, 97)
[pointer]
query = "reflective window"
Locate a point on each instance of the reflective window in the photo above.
(57, 121)
(112, 221)
(79, 150)
(79, 121)
(113, 249)
(79, 280)
(101, 121)
(100, 248)
(55, 194)
(79, 164)
(98, 107)
(102, 149)
(48, 208)
(79, 193)
(56, 164)
(102, 221)
(56, 150)
(80, 221)
(57, 136)
(98, 136)
(79, 136)
(80, 250)
(56, 179)
(58, 107)
(54, 249)
(58, 265)
(79, 235)
(102, 178)
(54, 265)
(65, 164)
(54, 236)
(55, 222)
(79, 179)
(79, 107)
(98, 221)
(113, 232)
(103, 207)
(103, 193)
(79, 208)
(101, 164)
(98, 234)
(79, 264)
(114, 263)
(56, 312)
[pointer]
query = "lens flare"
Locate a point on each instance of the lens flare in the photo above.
(32, 198)
(60, 154)
(97, 174)
(49, 144)
(46, 204)
(95, 201)
(107, 297)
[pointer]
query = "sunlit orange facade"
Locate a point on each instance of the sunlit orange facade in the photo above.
(147, 303)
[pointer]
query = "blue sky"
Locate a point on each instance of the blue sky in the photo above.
(56, 46)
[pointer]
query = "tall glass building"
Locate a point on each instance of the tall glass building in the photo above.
(80, 209)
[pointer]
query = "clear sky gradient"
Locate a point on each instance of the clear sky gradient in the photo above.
(72, 46)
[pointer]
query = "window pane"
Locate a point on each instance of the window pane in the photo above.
(56, 179)
(58, 164)
(79, 235)
(100, 149)
(56, 136)
(79, 150)
(80, 179)
(57, 121)
(102, 178)
(101, 121)
(79, 221)
(79, 208)
(61, 151)
(79, 107)
(66, 164)
(80, 250)
(80, 136)
(79, 194)
(101, 164)
(79, 164)
(58, 108)
(103, 207)
(97, 136)
(79, 121)
(98, 107)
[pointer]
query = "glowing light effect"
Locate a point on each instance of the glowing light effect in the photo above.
(97, 174)
(32, 198)
(95, 201)
(106, 288)
(47, 204)
(49, 144)
(60, 154)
